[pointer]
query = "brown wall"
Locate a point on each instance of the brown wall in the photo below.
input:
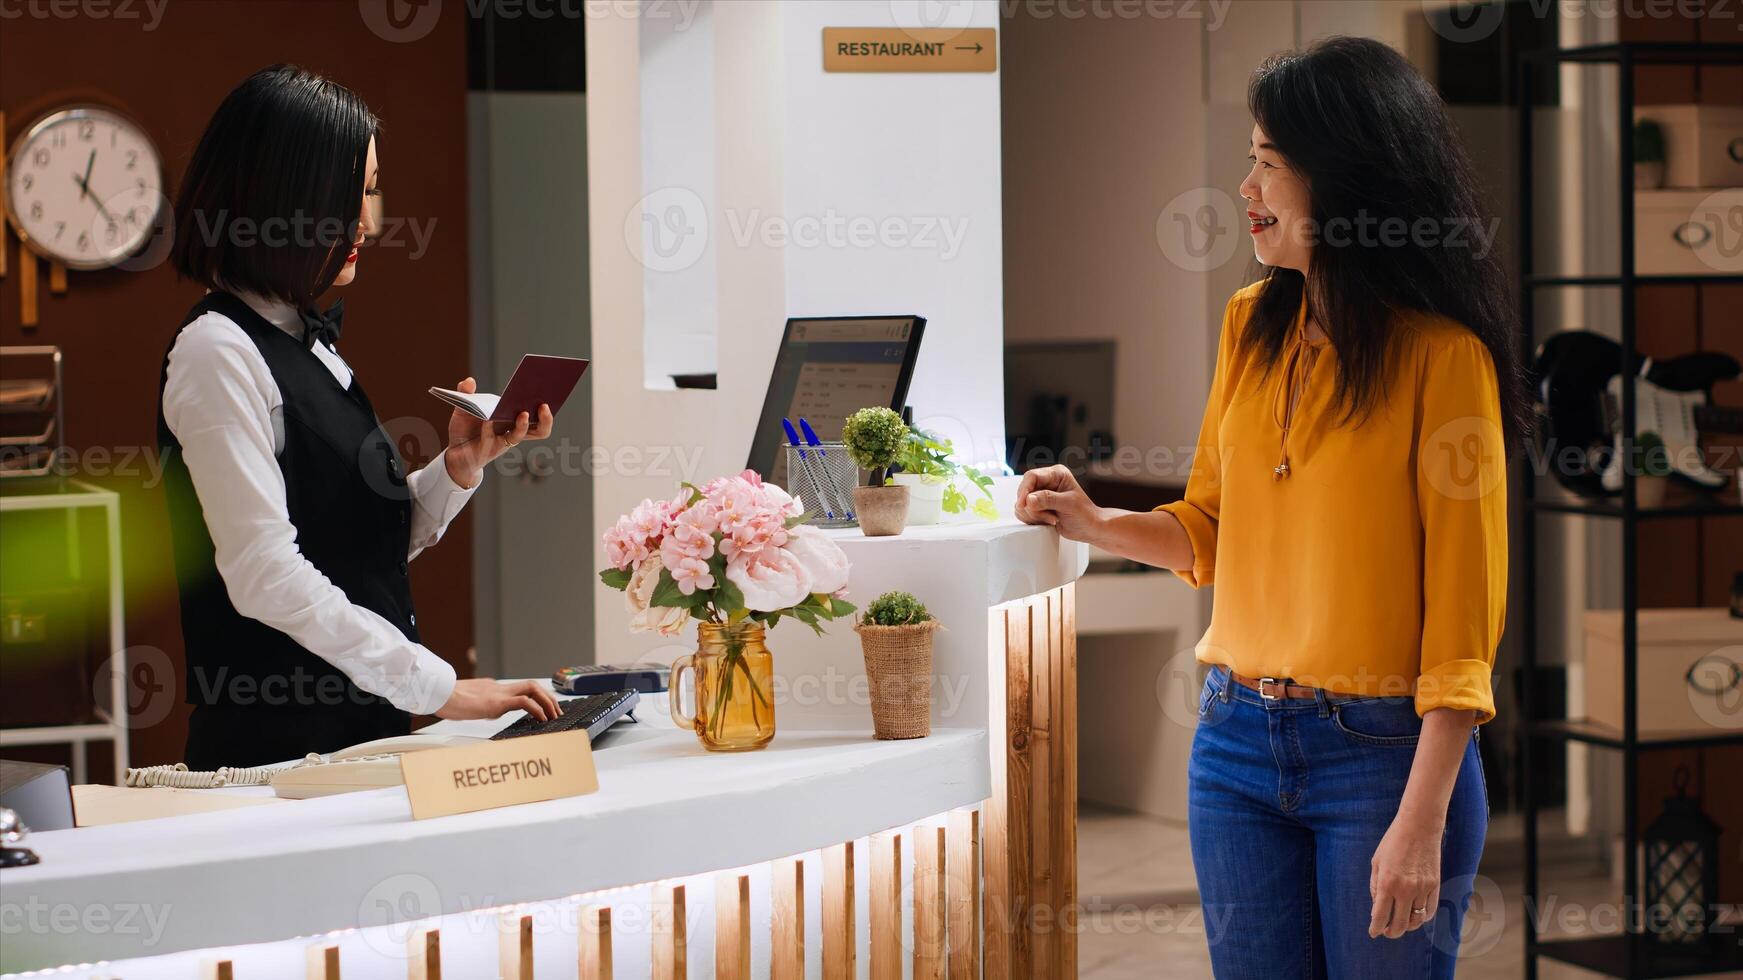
(1690, 562)
(406, 323)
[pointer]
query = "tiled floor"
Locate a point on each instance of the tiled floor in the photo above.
(1141, 918)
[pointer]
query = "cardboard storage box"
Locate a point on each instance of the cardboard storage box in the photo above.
(1688, 233)
(1688, 671)
(1703, 144)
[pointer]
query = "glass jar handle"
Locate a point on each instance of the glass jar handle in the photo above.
(673, 701)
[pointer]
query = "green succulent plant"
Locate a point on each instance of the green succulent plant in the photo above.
(874, 438)
(896, 609)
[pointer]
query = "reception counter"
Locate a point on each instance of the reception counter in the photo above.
(827, 854)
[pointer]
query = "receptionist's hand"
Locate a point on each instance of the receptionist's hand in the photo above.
(1051, 495)
(473, 442)
(482, 697)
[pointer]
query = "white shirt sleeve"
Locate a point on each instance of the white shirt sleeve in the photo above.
(436, 501)
(218, 400)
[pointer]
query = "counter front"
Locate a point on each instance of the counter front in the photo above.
(955, 840)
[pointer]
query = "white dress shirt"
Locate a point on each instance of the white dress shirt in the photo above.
(222, 404)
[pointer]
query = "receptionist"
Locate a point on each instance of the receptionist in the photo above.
(292, 513)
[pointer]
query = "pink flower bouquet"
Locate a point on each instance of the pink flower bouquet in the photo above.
(735, 550)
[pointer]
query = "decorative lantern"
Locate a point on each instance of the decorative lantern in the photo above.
(1682, 869)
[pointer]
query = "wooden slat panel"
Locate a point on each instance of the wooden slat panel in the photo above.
(1044, 777)
(787, 920)
(731, 927)
(57, 278)
(840, 941)
(217, 970)
(423, 954)
(3, 156)
(886, 906)
(26, 286)
(1019, 789)
(593, 951)
(962, 867)
(1029, 824)
(514, 946)
(323, 962)
(995, 852)
(930, 903)
(671, 952)
(1066, 740)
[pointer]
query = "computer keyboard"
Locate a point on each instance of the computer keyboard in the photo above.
(594, 713)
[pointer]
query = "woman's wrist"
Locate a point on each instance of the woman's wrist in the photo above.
(460, 470)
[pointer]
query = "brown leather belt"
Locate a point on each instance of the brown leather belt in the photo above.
(1271, 689)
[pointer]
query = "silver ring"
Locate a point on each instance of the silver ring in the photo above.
(1420, 911)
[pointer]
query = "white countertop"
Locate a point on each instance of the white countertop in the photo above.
(665, 808)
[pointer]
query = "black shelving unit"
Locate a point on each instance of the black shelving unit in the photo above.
(1630, 953)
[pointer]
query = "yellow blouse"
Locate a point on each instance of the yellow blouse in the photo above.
(1378, 564)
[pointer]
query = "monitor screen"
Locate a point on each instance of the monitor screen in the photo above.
(826, 369)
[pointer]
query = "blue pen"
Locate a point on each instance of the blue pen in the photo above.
(805, 465)
(812, 440)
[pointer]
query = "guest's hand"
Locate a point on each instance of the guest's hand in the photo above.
(473, 442)
(1405, 876)
(481, 697)
(1051, 495)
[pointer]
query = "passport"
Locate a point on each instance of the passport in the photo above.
(539, 379)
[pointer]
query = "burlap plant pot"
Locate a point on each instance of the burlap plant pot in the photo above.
(898, 663)
(882, 511)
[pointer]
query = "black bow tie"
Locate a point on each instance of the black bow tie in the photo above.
(322, 326)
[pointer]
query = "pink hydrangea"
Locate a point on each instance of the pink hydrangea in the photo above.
(743, 519)
(638, 534)
(691, 574)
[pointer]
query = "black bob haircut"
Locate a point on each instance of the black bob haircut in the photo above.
(1372, 140)
(271, 200)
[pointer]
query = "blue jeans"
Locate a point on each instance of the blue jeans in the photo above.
(1288, 802)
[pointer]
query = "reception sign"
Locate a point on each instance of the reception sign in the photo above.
(498, 773)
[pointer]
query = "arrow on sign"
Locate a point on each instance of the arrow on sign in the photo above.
(963, 47)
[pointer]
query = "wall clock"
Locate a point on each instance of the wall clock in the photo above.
(84, 185)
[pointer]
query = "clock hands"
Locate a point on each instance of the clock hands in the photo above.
(85, 184)
(85, 188)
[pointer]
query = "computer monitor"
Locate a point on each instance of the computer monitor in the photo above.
(827, 368)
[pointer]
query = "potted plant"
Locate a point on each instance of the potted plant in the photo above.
(926, 469)
(1648, 155)
(736, 556)
(1652, 473)
(895, 634)
(874, 437)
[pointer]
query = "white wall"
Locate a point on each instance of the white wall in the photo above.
(797, 153)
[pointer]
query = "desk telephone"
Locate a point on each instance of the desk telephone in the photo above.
(373, 765)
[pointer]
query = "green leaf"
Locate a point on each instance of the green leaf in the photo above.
(727, 594)
(840, 607)
(617, 578)
(986, 509)
(793, 522)
(668, 595)
(954, 501)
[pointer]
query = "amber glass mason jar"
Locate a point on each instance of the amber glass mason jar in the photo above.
(734, 683)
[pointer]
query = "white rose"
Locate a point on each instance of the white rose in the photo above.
(665, 620)
(824, 562)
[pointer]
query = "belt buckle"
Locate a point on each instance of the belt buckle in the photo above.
(1268, 697)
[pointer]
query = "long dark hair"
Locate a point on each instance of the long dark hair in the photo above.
(1371, 139)
(270, 201)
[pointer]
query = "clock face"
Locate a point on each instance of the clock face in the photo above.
(84, 186)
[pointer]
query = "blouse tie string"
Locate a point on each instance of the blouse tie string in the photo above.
(1297, 368)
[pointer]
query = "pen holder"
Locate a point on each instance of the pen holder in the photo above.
(823, 477)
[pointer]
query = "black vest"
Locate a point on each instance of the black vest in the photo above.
(258, 696)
